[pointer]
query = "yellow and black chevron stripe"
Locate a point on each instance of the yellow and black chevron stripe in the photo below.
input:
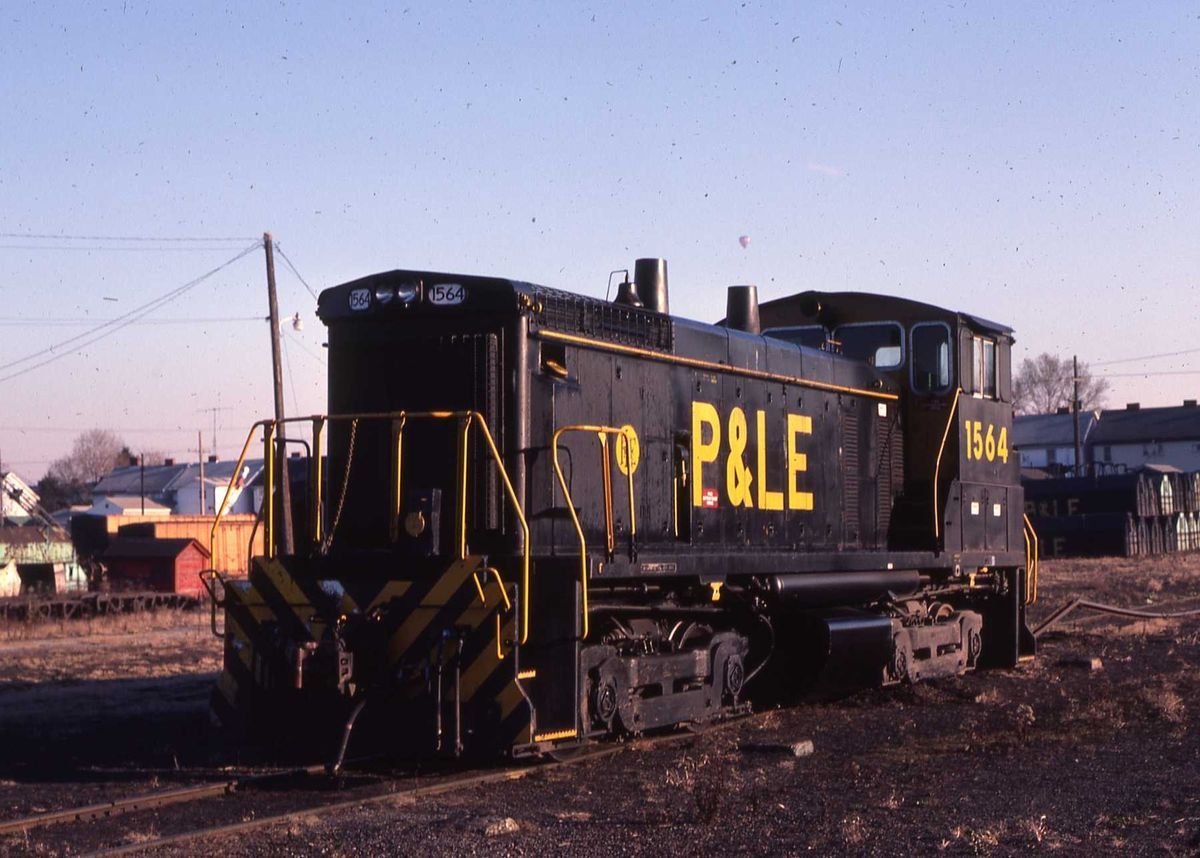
(463, 602)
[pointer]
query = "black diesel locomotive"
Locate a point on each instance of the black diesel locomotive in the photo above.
(533, 518)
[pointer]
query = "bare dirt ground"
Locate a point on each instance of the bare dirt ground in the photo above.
(1054, 756)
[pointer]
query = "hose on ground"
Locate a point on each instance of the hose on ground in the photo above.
(1060, 614)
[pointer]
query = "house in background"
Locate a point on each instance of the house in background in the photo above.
(1047, 441)
(1136, 436)
(44, 559)
(1124, 439)
(36, 554)
(177, 487)
(127, 505)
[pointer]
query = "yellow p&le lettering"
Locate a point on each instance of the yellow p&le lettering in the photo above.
(703, 415)
(767, 499)
(740, 488)
(737, 475)
(797, 424)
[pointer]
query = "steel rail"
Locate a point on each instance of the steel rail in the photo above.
(440, 786)
(147, 801)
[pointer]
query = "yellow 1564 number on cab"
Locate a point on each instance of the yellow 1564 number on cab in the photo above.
(984, 443)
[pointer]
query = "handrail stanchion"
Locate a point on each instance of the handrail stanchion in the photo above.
(318, 487)
(937, 466)
(610, 540)
(628, 442)
(463, 455)
(269, 491)
(602, 432)
(397, 479)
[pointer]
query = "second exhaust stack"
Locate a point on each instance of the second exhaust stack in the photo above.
(741, 309)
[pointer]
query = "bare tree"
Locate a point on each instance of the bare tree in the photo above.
(1042, 385)
(94, 454)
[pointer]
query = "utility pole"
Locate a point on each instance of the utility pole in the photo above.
(285, 488)
(1075, 411)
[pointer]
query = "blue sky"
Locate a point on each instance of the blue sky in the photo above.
(1032, 163)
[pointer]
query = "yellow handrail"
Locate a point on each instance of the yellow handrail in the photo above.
(602, 432)
(469, 418)
(937, 465)
(495, 573)
(1031, 561)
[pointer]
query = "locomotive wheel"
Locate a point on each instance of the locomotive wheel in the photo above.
(899, 661)
(604, 701)
(735, 676)
(974, 646)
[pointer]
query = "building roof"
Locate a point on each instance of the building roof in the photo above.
(126, 547)
(1144, 425)
(1053, 430)
(164, 478)
(131, 503)
(129, 480)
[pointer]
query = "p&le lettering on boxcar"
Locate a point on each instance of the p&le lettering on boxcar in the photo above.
(531, 519)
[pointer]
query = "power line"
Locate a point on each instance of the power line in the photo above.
(318, 358)
(289, 264)
(111, 247)
(1149, 374)
(117, 429)
(1147, 357)
(87, 338)
(30, 321)
(162, 238)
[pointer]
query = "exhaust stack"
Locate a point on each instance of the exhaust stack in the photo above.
(650, 277)
(741, 309)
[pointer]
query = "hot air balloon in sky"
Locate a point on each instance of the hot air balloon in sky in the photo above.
(744, 241)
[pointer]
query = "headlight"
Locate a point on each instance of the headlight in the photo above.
(384, 294)
(407, 292)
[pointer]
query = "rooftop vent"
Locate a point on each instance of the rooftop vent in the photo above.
(1062, 409)
(168, 462)
(212, 458)
(1189, 403)
(1133, 406)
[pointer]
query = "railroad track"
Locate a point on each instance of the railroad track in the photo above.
(84, 605)
(378, 792)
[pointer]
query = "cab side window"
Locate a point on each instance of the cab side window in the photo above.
(984, 368)
(930, 364)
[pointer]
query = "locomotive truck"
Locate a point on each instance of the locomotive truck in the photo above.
(532, 519)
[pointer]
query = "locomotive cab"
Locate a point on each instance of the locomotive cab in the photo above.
(961, 484)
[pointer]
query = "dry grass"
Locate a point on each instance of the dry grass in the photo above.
(108, 624)
(1163, 703)
(708, 778)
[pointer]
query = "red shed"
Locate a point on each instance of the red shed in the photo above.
(162, 565)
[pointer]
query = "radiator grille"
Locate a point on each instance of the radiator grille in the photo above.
(850, 474)
(575, 314)
(889, 470)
